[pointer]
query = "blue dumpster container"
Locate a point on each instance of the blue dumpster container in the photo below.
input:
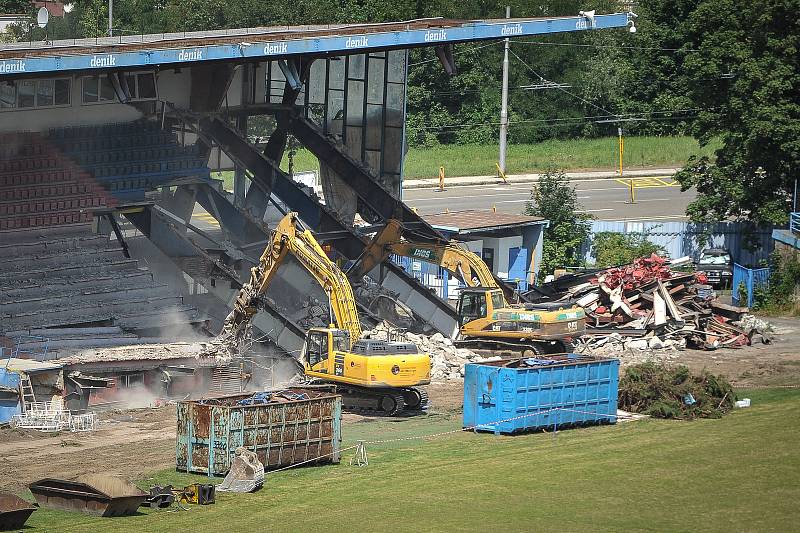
(546, 393)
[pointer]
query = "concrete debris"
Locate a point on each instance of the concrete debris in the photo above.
(447, 361)
(246, 473)
(631, 350)
(652, 303)
(139, 352)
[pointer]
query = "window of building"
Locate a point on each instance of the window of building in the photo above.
(90, 92)
(25, 94)
(97, 89)
(142, 86)
(62, 91)
(146, 84)
(45, 93)
(8, 95)
(106, 90)
(488, 258)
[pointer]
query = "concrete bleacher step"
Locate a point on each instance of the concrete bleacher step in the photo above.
(41, 206)
(58, 218)
(88, 313)
(58, 259)
(48, 233)
(38, 177)
(141, 277)
(162, 319)
(32, 247)
(65, 271)
(68, 333)
(96, 297)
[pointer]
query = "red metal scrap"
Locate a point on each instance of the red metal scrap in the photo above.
(642, 271)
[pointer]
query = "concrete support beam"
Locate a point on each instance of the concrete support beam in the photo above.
(360, 179)
(268, 176)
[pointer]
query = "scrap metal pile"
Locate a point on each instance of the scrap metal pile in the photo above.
(647, 304)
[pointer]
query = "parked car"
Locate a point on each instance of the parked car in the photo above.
(717, 265)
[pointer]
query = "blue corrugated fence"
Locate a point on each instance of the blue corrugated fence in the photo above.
(751, 279)
(680, 239)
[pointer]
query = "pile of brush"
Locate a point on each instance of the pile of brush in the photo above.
(666, 391)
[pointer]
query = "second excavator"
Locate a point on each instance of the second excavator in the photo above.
(486, 318)
(372, 375)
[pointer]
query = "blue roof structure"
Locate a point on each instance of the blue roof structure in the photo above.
(147, 51)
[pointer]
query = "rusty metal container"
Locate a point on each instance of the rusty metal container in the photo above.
(14, 511)
(98, 495)
(295, 425)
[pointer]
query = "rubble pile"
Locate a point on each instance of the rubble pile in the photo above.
(631, 350)
(447, 360)
(651, 306)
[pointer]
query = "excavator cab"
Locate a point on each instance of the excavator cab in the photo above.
(321, 347)
(477, 303)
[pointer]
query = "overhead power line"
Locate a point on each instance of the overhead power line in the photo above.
(567, 121)
(557, 86)
(618, 47)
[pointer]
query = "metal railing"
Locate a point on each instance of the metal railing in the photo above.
(794, 222)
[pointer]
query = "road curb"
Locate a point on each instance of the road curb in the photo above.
(432, 183)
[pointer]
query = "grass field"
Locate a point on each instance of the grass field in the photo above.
(583, 154)
(739, 473)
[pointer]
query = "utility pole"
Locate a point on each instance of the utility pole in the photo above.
(110, 18)
(504, 105)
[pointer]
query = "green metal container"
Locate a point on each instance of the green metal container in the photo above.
(296, 425)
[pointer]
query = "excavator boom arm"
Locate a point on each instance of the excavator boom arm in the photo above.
(304, 247)
(452, 257)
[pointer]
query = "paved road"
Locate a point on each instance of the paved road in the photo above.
(657, 198)
(607, 199)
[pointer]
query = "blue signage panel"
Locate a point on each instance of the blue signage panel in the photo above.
(476, 31)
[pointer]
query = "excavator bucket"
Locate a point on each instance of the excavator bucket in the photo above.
(246, 473)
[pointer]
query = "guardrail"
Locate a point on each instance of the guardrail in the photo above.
(794, 222)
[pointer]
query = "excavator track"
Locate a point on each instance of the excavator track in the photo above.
(382, 402)
(416, 399)
(522, 349)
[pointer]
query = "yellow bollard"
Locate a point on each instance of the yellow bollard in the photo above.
(494, 209)
(501, 173)
(441, 178)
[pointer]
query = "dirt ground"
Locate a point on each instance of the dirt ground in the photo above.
(136, 442)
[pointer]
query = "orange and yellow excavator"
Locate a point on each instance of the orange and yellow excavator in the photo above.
(487, 320)
(372, 375)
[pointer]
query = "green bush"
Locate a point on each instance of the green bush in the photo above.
(614, 249)
(779, 296)
(554, 198)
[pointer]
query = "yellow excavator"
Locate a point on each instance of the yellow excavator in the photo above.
(372, 375)
(487, 321)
